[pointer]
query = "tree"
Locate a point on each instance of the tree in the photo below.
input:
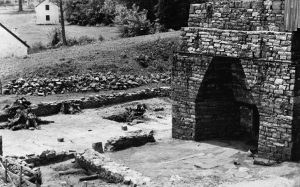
(62, 22)
(174, 14)
(20, 5)
(149, 5)
(61, 5)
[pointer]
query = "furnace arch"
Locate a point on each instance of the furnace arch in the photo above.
(225, 108)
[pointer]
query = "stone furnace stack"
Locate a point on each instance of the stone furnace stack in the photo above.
(237, 75)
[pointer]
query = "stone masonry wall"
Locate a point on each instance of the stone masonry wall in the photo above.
(260, 83)
(271, 85)
(265, 45)
(239, 15)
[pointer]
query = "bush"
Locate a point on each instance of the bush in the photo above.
(55, 39)
(148, 5)
(108, 11)
(84, 40)
(101, 38)
(31, 6)
(54, 36)
(90, 12)
(132, 22)
(37, 47)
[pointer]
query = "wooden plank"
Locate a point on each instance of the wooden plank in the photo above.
(292, 15)
(88, 178)
(16, 177)
(20, 178)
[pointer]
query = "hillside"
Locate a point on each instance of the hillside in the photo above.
(115, 56)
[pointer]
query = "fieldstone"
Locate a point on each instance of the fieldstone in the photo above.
(124, 128)
(131, 139)
(264, 162)
(98, 147)
(60, 139)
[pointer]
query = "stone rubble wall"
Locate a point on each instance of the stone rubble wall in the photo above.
(93, 82)
(239, 15)
(131, 139)
(264, 45)
(45, 158)
(52, 108)
(110, 171)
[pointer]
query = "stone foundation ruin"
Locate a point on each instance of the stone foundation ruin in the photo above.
(237, 75)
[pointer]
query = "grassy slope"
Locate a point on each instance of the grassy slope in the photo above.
(117, 56)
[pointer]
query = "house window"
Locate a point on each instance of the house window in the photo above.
(47, 7)
(47, 18)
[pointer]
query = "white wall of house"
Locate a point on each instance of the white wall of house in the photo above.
(11, 46)
(44, 16)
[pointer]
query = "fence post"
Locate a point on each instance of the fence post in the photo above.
(21, 170)
(5, 170)
(0, 87)
(1, 150)
(36, 180)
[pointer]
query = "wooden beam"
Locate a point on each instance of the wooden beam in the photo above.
(1, 148)
(88, 178)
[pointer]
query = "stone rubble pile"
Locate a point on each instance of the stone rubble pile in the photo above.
(45, 158)
(84, 83)
(21, 116)
(129, 114)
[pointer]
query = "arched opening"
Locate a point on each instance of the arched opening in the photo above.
(225, 108)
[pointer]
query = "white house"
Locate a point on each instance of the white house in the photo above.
(10, 44)
(47, 13)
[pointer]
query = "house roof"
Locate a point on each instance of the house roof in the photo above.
(39, 3)
(44, 1)
(14, 35)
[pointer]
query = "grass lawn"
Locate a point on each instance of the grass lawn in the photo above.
(25, 26)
